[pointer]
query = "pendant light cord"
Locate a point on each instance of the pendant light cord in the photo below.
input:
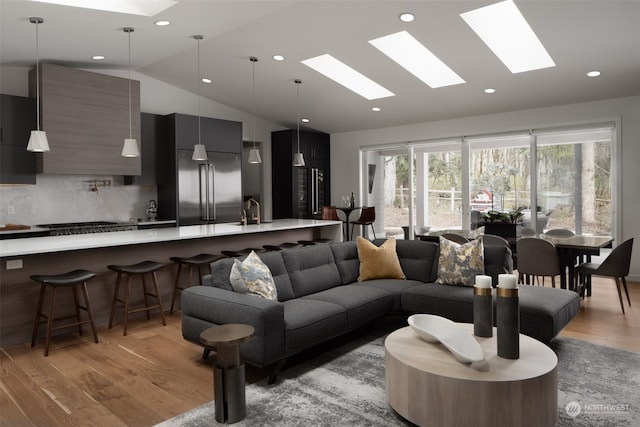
(298, 108)
(37, 75)
(199, 97)
(253, 97)
(130, 131)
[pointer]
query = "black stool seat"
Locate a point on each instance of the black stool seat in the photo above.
(315, 242)
(140, 268)
(74, 279)
(197, 261)
(71, 278)
(200, 259)
(242, 252)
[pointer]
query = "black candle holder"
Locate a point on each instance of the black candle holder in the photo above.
(508, 323)
(482, 312)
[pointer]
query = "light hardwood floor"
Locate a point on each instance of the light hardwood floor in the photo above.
(153, 374)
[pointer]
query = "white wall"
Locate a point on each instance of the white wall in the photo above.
(345, 148)
(58, 198)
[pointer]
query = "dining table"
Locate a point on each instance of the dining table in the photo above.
(570, 250)
(346, 210)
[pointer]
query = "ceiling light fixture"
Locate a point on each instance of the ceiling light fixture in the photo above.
(489, 90)
(414, 57)
(407, 17)
(376, 109)
(199, 150)
(38, 141)
(348, 77)
(254, 153)
(98, 57)
(162, 23)
(305, 120)
(504, 30)
(593, 73)
(130, 147)
(298, 158)
(206, 80)
(278, 58)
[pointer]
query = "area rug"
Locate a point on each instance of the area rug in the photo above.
(345, 385)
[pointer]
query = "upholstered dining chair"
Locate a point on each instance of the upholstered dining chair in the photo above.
(528, 232)
(493, 240)
(455, 238)
(367, 217)
(616, 265)
(559, 232)
(538, 258)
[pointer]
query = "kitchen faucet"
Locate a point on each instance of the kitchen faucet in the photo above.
(253, 217)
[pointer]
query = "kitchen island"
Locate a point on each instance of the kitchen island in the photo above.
(59, 254)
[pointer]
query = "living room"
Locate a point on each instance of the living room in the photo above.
(153, 374)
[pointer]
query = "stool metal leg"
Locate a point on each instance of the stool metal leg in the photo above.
(36, 323)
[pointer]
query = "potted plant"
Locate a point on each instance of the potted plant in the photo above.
(504, 224)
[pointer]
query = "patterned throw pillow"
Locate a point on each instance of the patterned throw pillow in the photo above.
(378, 262)
(459, 264)
(252, 276)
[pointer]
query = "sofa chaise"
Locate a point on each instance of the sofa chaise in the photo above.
(319, 297)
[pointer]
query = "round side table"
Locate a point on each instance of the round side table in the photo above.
(228, 372)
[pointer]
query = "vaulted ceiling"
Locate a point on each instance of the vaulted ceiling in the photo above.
(580, 36)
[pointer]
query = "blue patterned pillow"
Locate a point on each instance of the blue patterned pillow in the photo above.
(252, 276)
(459, 264)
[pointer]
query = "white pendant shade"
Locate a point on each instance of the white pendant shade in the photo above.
(130, 148)
(254, 156)
(38, 141)
(199, 152)
(298, 159)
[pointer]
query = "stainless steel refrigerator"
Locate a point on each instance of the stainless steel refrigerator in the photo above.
(310, 185)
(209, 191)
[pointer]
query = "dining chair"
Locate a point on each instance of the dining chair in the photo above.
(367, 217)
(616, 265)
(455, 238)
(331, 213)
(559, 232)
(528, 232)
(537, 258)
(493, 240)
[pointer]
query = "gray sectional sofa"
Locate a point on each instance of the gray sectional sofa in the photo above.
(319, 298)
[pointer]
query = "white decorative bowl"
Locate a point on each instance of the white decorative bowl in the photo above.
(436, 329)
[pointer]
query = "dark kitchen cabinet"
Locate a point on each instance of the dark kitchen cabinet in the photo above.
(300, 192)
(224, 136)
(152, 143)
(17, 120)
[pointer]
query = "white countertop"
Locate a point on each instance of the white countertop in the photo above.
(41, 245)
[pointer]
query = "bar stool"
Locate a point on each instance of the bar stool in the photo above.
(73, 279)
(282, 246)
(140, 269)
(195, 261)
(242, 252)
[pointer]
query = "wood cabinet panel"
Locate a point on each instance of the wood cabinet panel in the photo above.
(17, 119)
(86, 117)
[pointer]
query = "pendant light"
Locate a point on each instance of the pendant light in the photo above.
(38, 140)
(254, 153)
(130, 147)
(199, 150)
(298, 158)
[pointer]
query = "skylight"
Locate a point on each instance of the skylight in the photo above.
(504, 30)
(410, 54)
(347, 77)
(132, 7)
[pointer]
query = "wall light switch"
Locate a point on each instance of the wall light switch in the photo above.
(14, 264)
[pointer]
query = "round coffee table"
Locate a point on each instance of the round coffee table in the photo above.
(228, 373)
(429, 387)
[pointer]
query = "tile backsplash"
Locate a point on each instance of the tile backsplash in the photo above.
(69, 198)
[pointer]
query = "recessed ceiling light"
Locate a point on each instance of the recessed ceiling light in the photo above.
(278, 57)
(348, 77)
(133, 7)
(376, 109)
(206, 80)
(162, 23)
(410, 54)
(407, 17)
(489, 90)
(504, 30)
(305, 120)
(593, 73)
(97, 57)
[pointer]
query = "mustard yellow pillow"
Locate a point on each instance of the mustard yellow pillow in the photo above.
(378, 262)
